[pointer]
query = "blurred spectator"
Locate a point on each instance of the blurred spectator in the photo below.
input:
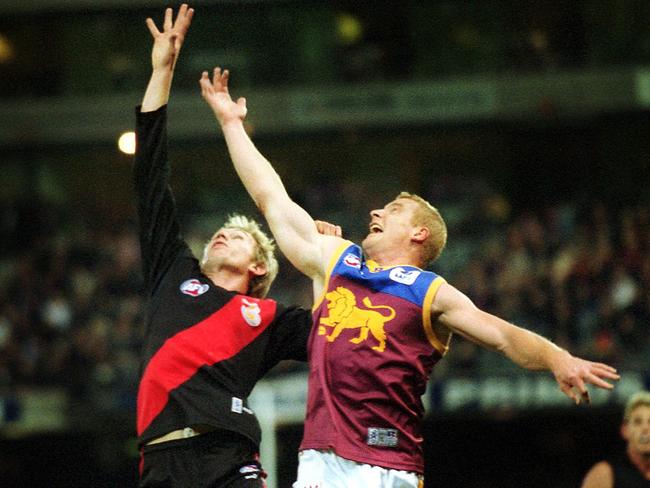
(632, 468)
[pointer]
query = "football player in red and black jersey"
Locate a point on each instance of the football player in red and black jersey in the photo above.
(210, 333)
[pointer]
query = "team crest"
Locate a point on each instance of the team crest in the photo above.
(402, 276)
(352, 261)
(194, 287)
(251, 312)
(344, 314)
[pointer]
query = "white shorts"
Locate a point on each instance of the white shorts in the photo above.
(324, 469)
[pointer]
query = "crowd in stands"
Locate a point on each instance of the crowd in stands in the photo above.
(71, 309)
(578, 275)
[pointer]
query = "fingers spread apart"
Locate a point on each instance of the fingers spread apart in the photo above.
(220, 79)
(183, 19)
(574, 386)
(180, 26)
(206, 86)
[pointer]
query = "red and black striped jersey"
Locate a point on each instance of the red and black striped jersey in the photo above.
(204, 347)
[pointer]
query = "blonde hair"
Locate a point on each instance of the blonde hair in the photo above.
(640, 399)
(430, 217)
(264, 253)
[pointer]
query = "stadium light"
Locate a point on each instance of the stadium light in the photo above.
(126, 142)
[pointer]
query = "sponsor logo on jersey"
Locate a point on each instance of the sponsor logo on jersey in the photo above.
(352, 261)
(194, 287)
(402, 276)
(378, 436)
(251, 312)
(237, 406)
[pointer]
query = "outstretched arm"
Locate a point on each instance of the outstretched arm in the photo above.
(166, 47)
(159, 228)
(525, 348)
(292, 227)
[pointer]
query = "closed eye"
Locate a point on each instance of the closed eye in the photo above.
(394, 207)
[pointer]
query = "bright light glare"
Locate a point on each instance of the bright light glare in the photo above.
(126, 142)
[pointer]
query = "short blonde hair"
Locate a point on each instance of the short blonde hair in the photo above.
(264, 253)
(430, 217)
(640, 399)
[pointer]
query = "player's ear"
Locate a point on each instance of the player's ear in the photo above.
(257, 269)
(420, 234)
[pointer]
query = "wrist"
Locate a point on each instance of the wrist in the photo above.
(231, 123)
(557, 355)
(165, 70)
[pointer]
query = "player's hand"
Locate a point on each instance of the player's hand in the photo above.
(327, 229)
(215, 93)
(167, 44)
(573, 374)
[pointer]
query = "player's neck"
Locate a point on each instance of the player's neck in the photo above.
(393, 257)
(228, 279)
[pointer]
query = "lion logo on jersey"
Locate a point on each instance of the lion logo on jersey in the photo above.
(344, 314)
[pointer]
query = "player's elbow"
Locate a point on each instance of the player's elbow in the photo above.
(269, 201)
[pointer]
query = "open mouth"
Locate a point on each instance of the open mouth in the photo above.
(375, 228)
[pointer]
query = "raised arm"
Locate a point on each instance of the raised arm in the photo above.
(531, 351)
(160, 237)
(164, 54)
(292, 227)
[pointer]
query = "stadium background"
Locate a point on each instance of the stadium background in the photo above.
(526, 123)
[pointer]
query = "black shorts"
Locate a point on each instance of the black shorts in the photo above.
(219, 459)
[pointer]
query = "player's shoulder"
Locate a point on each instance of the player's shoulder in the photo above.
(601, 475)
(335, 248)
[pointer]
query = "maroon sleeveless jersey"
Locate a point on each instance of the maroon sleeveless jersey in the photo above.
(371, 350)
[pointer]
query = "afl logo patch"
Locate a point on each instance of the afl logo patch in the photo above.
(251, 312)
(352, 261)
(194, 287)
